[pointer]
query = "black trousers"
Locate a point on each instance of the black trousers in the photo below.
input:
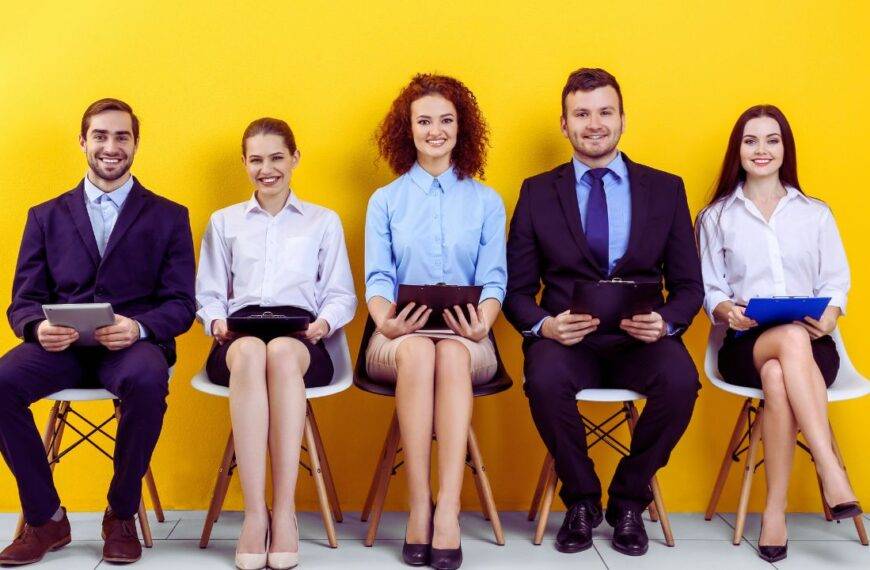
(662, 371)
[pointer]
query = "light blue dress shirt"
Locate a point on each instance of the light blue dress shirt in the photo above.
(423, 230)
(103, 210)
(618, 193)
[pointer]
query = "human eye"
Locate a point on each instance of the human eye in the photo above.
(423, 122)
(447, 120)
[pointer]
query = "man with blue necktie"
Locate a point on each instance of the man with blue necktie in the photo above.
(602, 217)
(108, 240)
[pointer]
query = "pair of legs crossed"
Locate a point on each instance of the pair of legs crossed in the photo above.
(794, 373)
(663, 371)
(434, 377)
(137, 375)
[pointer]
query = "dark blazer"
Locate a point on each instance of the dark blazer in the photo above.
(146, 273)
(547, 243)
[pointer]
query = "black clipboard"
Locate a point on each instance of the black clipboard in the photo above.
(439, 297)
(268, 325)
(610, 301)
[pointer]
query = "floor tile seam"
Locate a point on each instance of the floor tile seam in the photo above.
(600, 556)
(175, 526)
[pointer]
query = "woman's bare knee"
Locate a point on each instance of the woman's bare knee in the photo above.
(288, 354)
(773, 382)
(416, 350)
(451, 353)
(246, 352)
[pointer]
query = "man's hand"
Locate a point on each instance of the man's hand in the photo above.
(55, 339)
(120, 335)
(405, 322)
(646, 328)
(474, 329)
(220, 332)
(316, 331)
(569, 329)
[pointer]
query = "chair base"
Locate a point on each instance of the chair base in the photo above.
(748, 427)
(330, 510)
(542, 500)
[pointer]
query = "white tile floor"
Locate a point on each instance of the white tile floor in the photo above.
(814, 543)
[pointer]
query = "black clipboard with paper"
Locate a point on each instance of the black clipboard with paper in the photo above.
(610, 301)
(439, 297)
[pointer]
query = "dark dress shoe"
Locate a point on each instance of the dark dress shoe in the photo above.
(34, 541)
(773, 553)
(848, 510)
(446, 558)
(122, 544)
(576, 531)
(629, 534)
(416, 554)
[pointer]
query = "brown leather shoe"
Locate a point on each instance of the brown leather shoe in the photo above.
(122, 541)
(34, 541)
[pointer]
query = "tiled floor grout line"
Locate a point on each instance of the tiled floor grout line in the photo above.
(601, 556)
(169, 535)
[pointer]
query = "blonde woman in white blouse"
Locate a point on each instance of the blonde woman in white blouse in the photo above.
(761, 236)
(276, 253)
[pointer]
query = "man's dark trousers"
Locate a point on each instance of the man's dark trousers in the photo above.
(662, 371)
(137, 375)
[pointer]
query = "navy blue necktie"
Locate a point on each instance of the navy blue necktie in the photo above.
(597, 232)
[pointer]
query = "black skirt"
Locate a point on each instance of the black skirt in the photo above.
(737, 365)
(319, 371)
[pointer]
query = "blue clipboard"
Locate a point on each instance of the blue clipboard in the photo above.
(768, 311)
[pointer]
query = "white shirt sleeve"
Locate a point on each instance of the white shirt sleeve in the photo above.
(712, 250)
(334, 288)
(833, 277)
(213, 276)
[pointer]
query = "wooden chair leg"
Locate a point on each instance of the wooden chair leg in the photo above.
(657, 510)
(155, 498)
(748, 472)
(145, 525)
(48, 434)
(542, 482)
(725, 468)
(484, 510)
(653, 511)
(324, 464)
(383, 476)
(220, 489)
(859, 520)
(546, 504)
(322, 494)
(825, 508)
(488, 500)
(376, 476)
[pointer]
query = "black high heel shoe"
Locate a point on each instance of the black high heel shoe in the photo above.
(419, 554)
(446, 558)
(772, 553)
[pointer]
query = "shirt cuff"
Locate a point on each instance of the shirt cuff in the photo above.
(536, 330)
(143, 332)
(837, 300)
(492, 292)
(672, 330)
(384, 290)
(712, 301)
(209, 314)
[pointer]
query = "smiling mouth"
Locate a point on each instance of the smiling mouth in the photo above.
(436, 142)
(110, 161)
(269, 180)
(595, 137)
(762, 161)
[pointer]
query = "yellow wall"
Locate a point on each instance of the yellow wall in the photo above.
(197, 73)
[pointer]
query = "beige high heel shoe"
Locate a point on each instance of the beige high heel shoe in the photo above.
(285, 560)
(254, 560)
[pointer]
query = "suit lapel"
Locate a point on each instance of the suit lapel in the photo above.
(132, 206)
(75, 203)
(639, 189)
(566, 189)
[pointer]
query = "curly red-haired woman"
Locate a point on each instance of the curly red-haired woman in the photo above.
(434, 224)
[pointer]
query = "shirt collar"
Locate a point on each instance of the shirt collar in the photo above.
(790, 194)
(617, 167)
(293, 202)
(117, 196)
(423, 179)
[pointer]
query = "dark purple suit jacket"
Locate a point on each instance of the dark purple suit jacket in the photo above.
(547, 243)
(146, 273)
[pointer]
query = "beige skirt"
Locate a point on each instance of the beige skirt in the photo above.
(381, 356)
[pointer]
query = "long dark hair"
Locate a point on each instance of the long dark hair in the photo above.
(732, 170)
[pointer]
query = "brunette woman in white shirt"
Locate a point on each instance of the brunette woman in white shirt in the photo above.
(276, 253)
(761, 236)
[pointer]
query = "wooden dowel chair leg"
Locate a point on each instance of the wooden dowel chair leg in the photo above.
(725, 467)
(486, 489)
(859, 520)
(324, 465)
(145, 524)
(546, 504)
(383, 480)
(155, 498)
(322, 495)
(539, 490)
(376, 476)
(748, 472)
(220, 486)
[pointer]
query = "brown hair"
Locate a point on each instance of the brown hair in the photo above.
(109, 104)
(269, 126)
(587, 79)
(396, 143)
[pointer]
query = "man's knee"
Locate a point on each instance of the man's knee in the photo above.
(148, 381)
(548, 372)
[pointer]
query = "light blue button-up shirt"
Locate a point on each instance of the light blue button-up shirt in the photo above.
(618, 193)
(423, 231)
(103, 210)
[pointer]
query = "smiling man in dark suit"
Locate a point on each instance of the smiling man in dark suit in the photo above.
(603, 217)
(107, 240)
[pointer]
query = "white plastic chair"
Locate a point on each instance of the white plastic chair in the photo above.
(848, 385)
(342, 378)
(602, 432)
(59, 419)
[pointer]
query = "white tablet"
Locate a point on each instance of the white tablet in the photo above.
(83, 317)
